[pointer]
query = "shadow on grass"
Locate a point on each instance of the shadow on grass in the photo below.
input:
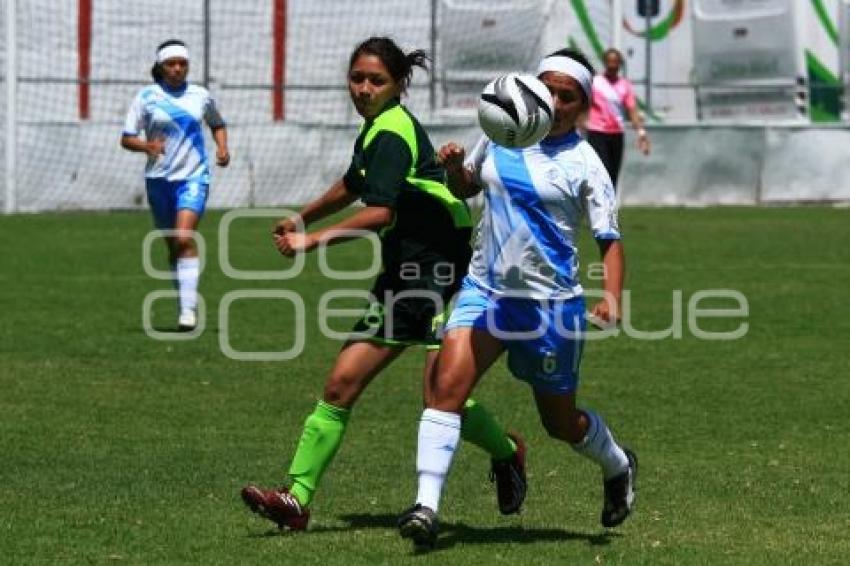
(168, 329)
(461, 533)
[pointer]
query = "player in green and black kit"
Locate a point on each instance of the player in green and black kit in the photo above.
(425, 233)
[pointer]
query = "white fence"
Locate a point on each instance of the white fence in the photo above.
(707, 165)
(60, 160)
(689, 165)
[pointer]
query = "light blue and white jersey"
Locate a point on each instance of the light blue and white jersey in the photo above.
(177, 116)
(535, 198)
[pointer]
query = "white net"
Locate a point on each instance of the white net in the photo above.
(71, 100)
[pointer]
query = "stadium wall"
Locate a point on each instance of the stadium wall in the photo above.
(703, 164)
(690, 165)
(67, 150)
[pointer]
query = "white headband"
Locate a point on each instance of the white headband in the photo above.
(570, 67)
(171, 51)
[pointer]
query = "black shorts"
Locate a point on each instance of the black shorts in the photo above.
(609, 148)
(409, 308)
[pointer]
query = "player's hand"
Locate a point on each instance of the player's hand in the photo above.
(451, 157)
(155, 147)
(222, 157)
(643, 142)
(291, 243)
(284, 226)
(604, 314)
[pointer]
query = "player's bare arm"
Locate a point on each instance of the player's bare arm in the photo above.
(613, 259)
(333, 200)
(222, 153)
(154, 148)
(368, 218)
(642, 137)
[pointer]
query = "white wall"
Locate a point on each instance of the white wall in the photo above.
(745, 165)
(67, 164)
(689, 165)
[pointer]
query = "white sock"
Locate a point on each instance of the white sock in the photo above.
(188, 270)
(172, 264)
(599, 446)
(439, 434)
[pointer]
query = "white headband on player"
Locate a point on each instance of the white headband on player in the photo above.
(570, 67)
(172, 51)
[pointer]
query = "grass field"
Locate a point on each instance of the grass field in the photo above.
(115, 447)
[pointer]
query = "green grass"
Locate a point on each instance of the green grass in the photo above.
(115, 447)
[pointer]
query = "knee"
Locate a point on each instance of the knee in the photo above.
(566, 429)
(342, 389)
(184, 245)
(449, 392)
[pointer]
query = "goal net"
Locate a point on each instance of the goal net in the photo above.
(276, 68)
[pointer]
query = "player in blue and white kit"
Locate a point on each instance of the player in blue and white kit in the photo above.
(522, 293)
(170, 113)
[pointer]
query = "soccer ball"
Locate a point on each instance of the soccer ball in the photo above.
(515, 110)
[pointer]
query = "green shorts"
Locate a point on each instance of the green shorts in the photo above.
(406, 313)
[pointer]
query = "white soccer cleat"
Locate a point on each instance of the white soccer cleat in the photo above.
(187, 320)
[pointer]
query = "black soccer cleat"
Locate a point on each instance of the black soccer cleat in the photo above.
(419, 523)
(620, 494)
(509, 477)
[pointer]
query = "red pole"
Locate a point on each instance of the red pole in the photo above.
(84, 55)
(279, 59)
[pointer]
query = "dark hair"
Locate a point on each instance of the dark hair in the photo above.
(156, 70)
(399, 65)
(579, 57)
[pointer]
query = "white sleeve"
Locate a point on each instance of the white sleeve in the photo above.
(211, 114)
(600, 202)
(135, 117)
(475, 159)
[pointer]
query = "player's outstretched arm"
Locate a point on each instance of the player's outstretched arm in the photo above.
(333, 200)
(369, 218)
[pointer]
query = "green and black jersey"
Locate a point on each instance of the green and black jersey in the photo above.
(394, 165)
(426, 250)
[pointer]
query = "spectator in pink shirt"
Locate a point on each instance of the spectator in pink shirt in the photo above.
(613, 99)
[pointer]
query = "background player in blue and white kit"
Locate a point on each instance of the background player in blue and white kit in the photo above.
(522, 293)
(170, 113)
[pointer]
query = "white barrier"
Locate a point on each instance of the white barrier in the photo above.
(716, 165)
(289, 164)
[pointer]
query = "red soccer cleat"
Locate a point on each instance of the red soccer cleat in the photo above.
(277, 505)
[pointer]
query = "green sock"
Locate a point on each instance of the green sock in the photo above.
(319, 442)
(481, 429)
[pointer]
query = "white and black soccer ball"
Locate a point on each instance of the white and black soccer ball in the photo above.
(515, 110)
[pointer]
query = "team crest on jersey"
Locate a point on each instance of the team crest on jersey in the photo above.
(374, 317)
(549, 362)
(557, 179)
